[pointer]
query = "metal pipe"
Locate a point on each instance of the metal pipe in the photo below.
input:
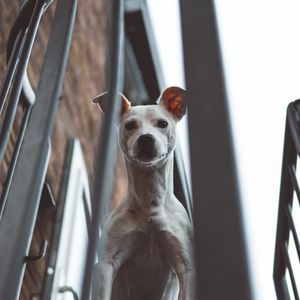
(22, 205)
(288, 212)
(293, 176)
(293, 119)
(13, 162)
(220, 247)
(12, 65)
(104, 166)
(282, 291)
(22, 20)
(16, 85)
(289, 266)
(285, 198)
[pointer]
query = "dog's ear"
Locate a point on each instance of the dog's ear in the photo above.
(172, 99)
(102, 100)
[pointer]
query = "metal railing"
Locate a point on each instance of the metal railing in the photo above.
(107, 146)
(221, 257)
(19, 48)
(22, 199)
(285, 225)
(26, 174)
(32, 147)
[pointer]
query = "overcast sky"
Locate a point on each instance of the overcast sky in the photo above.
(261, 55)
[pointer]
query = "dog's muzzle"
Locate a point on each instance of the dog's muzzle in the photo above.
(146, 147)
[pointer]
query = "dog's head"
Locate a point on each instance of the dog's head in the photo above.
(147, 132)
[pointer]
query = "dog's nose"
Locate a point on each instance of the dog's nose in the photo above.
(146, 146)
(146, 140)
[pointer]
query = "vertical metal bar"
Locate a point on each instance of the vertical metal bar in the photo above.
(181, 186)
(106, 156)
(285, 197)
(289, 216)
(23, 200)
(48, 282)
(292, 173)
(19, 73)
(13, 162)
(290, 268)
(221, 260)
(12, 65)
(293, 119)
(282, 291)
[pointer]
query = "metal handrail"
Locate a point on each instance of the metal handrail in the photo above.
(221, 258)
(292, 226)
(16, 83)
(288, 264)
(22, 21)
(22, 205)
(15, 56)
(285, 224)
(13, 162)
(105, 160)
(53, 255)
(12, 63)
(21, 24)
(19, 48)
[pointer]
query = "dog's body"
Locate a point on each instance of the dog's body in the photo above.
(147, 241)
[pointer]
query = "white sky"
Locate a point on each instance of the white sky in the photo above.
(171, 60)
(261, 55)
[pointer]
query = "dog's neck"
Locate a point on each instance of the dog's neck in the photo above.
(151, 186)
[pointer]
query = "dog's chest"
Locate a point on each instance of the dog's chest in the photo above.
(146, 274)
(149, 248)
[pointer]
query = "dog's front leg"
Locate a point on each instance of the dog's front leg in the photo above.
(104, 274)
(102, 281)
(110, 260)
(116, 245)
(186, 282)
(185, 275)
(180, 255)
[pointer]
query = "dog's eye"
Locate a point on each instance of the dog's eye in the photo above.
(162, 124)
(130, 125)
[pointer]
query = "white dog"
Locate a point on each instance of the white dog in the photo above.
(146, 244)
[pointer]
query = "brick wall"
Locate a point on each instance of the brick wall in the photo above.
(77, 117)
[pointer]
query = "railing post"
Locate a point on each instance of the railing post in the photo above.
(285, 225)
(106, 156)
(20, 213)
(17, 81)
(222, 267)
